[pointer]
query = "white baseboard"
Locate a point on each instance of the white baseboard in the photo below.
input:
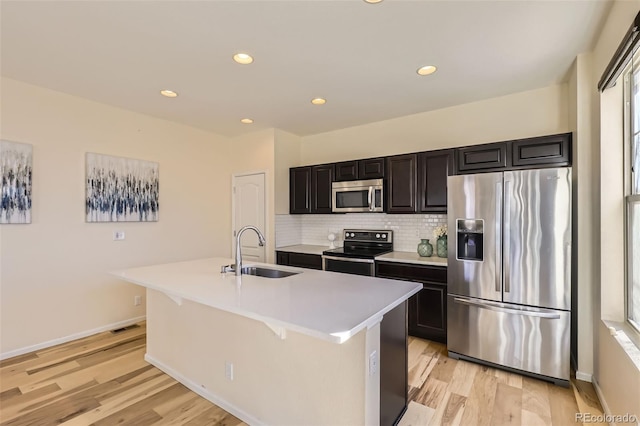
(603, 401)
(205, 393)
(71, 337)
(585, 377)
(605, 406)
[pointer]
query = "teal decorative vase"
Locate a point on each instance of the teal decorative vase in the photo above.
(441, 246)
(425, 249)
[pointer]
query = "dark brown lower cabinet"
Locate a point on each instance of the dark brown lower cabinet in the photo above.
(300, 260)
(427, 311)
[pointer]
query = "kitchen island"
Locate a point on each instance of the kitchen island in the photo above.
(310, 348)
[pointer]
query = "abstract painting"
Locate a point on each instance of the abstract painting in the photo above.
(121, 189)
(16, 163)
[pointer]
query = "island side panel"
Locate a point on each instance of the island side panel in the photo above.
(298, 380)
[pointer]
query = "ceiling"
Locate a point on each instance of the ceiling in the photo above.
(361, 57)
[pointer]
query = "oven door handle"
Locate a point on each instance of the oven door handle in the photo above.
(348, 259)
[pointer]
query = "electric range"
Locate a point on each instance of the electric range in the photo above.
(361, 246)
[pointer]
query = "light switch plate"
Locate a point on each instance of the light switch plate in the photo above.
(118, 236)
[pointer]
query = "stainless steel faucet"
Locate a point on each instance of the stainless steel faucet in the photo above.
(237, 268)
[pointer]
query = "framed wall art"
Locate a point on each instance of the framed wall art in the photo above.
(121, 189)
(16, 166)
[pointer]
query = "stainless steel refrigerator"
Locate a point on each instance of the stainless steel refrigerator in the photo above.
(509, 270)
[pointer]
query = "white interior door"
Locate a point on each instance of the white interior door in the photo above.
(248, 209)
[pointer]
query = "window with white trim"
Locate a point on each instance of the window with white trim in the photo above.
(625, 65)
(632, 188)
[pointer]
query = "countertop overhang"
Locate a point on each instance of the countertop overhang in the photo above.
(327, 305)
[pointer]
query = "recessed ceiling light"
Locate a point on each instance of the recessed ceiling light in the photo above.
(373, 1)
(243, 58)
(246, 121)
(168, 93)
(318, 101)
(426, 70)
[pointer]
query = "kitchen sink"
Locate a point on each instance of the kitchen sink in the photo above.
(266, 272)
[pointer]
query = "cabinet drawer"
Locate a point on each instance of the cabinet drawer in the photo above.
(411, 272)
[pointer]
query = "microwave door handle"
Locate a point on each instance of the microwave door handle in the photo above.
(371, 198)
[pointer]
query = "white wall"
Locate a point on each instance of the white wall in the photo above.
(616, 376)
(54, 280)
(526, 114)
(287, 154)
(583, 95)
(255, 152)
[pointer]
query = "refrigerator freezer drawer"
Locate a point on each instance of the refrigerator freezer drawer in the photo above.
(529, 339)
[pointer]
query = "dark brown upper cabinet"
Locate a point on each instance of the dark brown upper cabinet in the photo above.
(401, 183)
(554, 150)
(346, 170)
(321, 179)
(433, 169)
(371, 168)
(300, 190)
(485, 158)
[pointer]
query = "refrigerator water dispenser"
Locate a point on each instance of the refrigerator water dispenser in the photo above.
(469, 235)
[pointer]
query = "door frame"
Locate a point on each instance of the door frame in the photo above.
(266, 229)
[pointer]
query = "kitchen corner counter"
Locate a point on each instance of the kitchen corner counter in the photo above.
(304, 248)
(412, 257)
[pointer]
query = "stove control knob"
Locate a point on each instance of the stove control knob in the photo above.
(384, 236)
(377, 235)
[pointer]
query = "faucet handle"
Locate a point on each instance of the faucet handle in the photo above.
(227, 268)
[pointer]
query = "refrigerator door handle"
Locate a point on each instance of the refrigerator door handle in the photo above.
(490, 307)
(506, 261)
(498, 235)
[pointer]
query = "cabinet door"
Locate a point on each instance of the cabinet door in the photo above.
(433, 169)
(300, 190)
(321, 179)
(401, 183)
(428, 313)
(346, 170)
(371, 168)
(487, 157)
(553, 150)
(282, 258)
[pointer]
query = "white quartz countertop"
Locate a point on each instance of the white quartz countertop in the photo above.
(304, 248)
(327, 305)
(412, 257)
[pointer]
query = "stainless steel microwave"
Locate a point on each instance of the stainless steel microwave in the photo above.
(357, 196)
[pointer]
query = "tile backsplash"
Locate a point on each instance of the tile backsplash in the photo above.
(408, 229)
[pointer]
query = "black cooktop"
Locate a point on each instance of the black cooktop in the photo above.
(363, 244)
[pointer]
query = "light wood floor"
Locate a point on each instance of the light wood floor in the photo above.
(445, 391)
(104, 380)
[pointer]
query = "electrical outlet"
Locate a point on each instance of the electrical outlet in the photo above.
(373, 363)
(228, 370)
(118, 236)
(137, 300)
